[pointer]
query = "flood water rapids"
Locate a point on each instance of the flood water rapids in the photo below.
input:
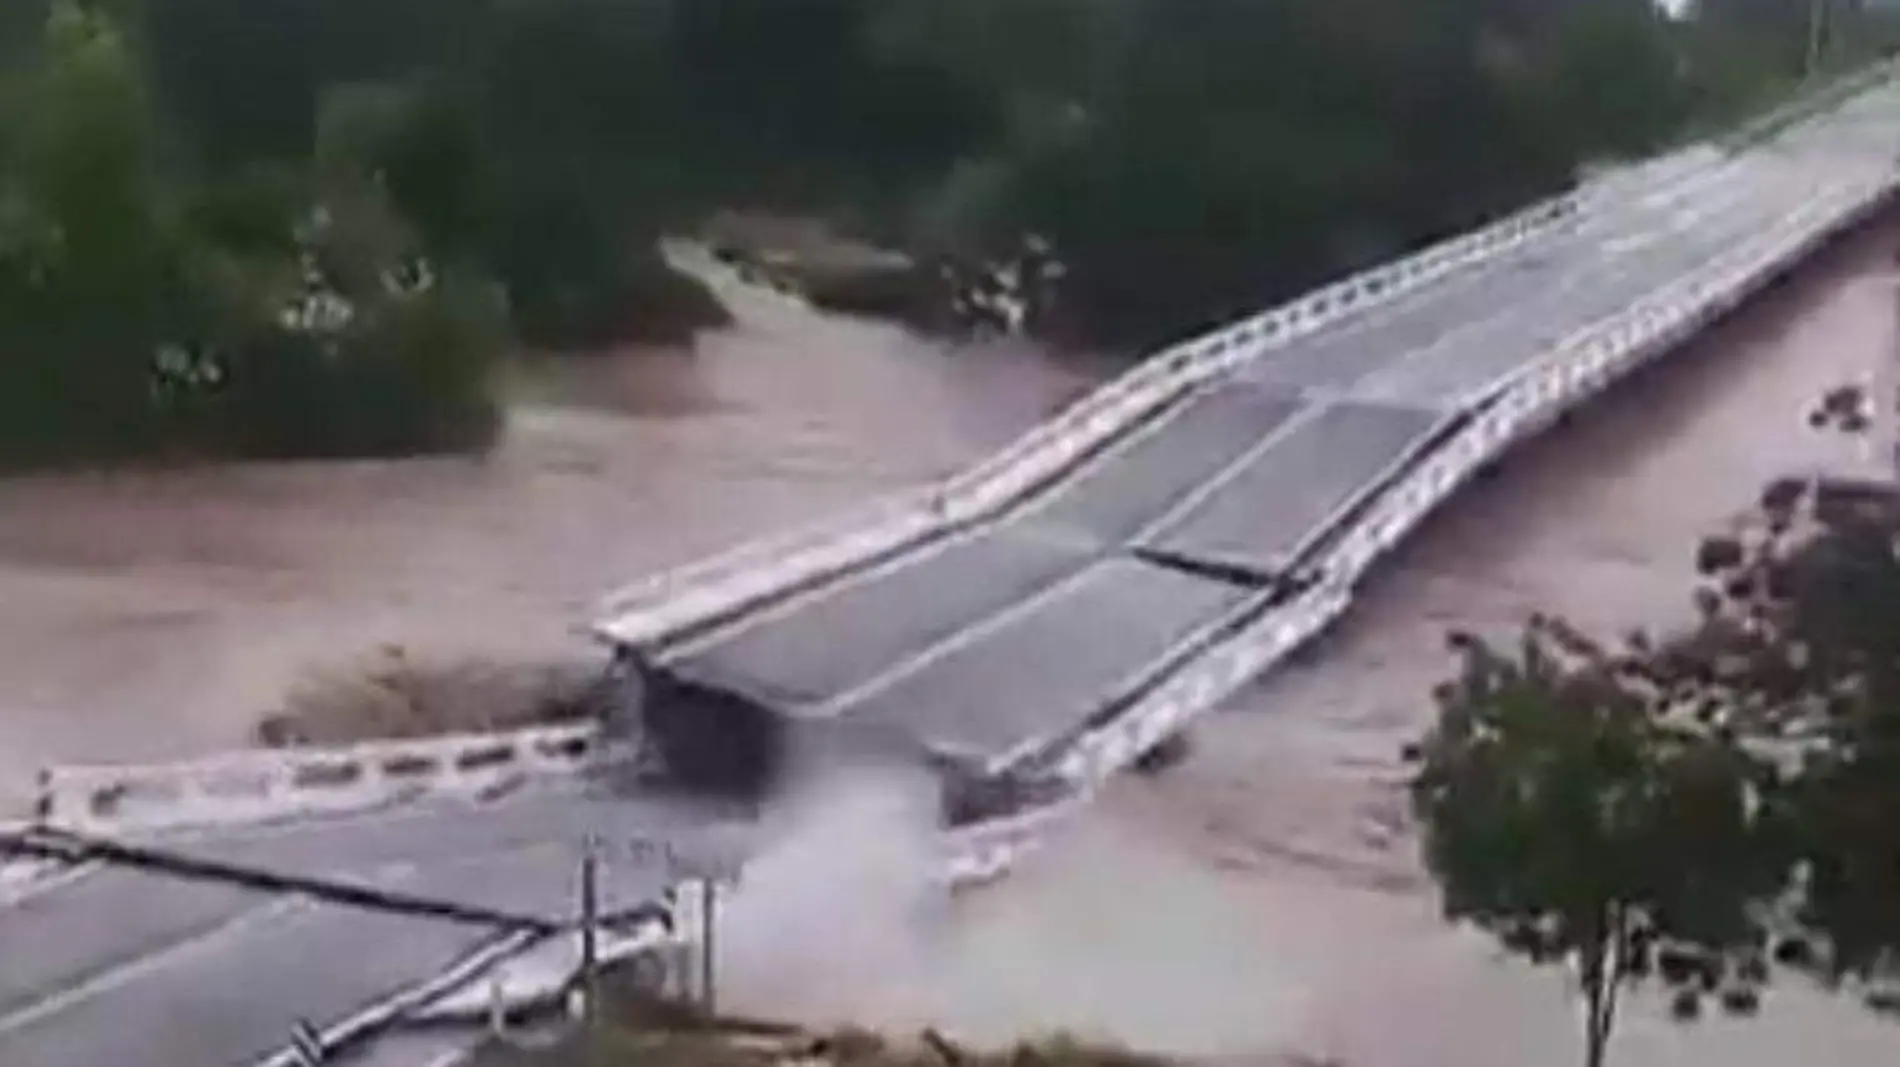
(1259, 902)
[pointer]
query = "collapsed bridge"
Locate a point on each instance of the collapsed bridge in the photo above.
(992, 641)
(1038, 622)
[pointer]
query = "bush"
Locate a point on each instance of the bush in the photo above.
(695, 1042)
(662, 306)
(412, 378)
(275, 311)
(396, 693)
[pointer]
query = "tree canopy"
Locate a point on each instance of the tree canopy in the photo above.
(1187, 159)
(1706, 807)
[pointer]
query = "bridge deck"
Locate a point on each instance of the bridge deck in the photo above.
(1335, 359)
(1027, 627)
(1489, 349)
(1011, 633)
(1046, 665)
(138, 966)
(815, 648)
(1270, 504)
(1144, 476)
(231, 995)
(979, 642)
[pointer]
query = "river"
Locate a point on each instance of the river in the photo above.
(1258, 902)
(1262, 902)
(146, 615)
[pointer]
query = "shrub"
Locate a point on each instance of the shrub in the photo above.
(270, 312)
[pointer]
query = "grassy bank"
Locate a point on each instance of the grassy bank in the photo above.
(639, 1033)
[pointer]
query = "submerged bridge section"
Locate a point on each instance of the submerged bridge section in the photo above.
(1063, 607)
(1000, 639)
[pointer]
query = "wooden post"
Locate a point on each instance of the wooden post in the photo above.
(590, 922)
(43, 799)
(497, 1006)
(708, 997)
(1817, 26)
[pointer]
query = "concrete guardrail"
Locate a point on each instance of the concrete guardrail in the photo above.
(684, 597)
(674, 600)
(287, 783)
(265, 784)
(1588, 365)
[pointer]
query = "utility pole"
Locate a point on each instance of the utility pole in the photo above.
(706, 892)
(1817, 28)
(590, 922)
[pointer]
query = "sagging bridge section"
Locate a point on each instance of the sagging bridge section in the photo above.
(1034, 625)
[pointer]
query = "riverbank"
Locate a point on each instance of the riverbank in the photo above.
(158, 614)
(1258, 901)
(634, 1030)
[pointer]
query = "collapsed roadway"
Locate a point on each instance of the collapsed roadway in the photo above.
(984, 648)
(175, 933)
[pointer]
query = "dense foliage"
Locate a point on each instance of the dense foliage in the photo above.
(1704, 809)
(175, 173)
(266, 310)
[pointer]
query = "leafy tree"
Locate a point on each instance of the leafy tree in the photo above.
(1614, 74)
(1254, 148)
(152, 177)
(813, 103)
(1585, 822)
(140, 312)
(355, 343)
(1324, 136)
(1800, 645)
(242, 82)
(83, 242)
(1733, 788)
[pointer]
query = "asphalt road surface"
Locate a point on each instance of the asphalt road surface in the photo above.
(996, 639)
(119, 965)
(984, 641)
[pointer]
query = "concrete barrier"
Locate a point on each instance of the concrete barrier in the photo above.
(1583, 367)
(249, 786)
(22, 875)
(678, 599)
(287, 783)
(378, 1017)
(684, 597)
(265, 784)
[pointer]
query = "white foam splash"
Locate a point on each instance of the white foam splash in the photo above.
(831, 923)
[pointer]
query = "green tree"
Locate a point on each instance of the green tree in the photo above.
(83, 243)
(1799, 646)
(1252, 149)
(356, 343)
(240, 82)
(1260, 149)
(1797, 650)
(1734, 787)
(260, 309)
(1578, 815)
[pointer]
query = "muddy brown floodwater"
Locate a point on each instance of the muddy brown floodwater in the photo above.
(1259, 902)
(1263, 901)
(147, 615)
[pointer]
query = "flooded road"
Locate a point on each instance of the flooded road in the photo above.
(145, 615)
